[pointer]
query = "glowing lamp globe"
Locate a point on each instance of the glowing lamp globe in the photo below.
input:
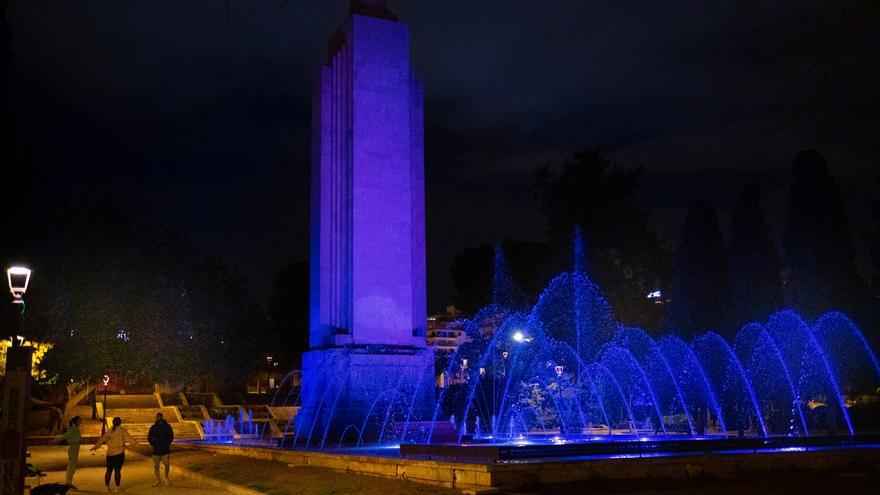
(18, 278)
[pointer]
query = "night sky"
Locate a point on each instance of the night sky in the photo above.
(197, 112)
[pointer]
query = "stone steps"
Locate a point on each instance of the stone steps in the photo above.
(147, 415)
(183, 430)
(132, 401)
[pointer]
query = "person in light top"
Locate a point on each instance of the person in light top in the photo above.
(115, 439)
(73, 439)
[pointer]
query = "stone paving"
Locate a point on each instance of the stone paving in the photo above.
(137, 474)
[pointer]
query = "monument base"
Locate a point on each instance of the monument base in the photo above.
(364, 393)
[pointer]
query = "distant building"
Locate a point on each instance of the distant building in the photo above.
(445, 332)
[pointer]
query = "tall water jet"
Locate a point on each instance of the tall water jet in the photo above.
(578, 252)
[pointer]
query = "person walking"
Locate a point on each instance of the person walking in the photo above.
(73, 438)
(160, 437)
(115, 438)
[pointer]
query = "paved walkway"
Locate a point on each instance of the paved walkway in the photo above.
(137, 474)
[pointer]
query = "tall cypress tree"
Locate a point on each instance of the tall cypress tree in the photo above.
(701, 282)
(819, 251)
(626, 257)
(875, 242)
(754, 263)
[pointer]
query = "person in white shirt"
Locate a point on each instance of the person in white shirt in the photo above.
(115, 439)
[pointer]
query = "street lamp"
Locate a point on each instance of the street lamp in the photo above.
(559, 369)
(518, 336)
(105, 380)
(18, 277)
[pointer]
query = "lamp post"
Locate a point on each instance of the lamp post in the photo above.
(18, 277)
(16, 393)
(464, 371)
(559, 369)
(106, 381)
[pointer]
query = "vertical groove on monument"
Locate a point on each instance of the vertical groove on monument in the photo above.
(368, 371)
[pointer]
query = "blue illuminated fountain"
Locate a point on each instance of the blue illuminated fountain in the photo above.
(564, 372)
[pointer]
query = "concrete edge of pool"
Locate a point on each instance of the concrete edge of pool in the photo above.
(484, 477)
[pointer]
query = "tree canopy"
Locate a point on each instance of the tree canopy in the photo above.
(701, 281)
(819, 252)
(625, 257)
(512, 272)
(589, 193)
(140, 299)
(754, 264)
(289, 314)
(875, 241)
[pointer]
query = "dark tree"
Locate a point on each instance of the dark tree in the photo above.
(471, 275)
(289, 314)
(873, 318)
(625, 257)
(700, 281)
(477, 282)
(819, 252)
(142, 300)
(875, 242)
(754, 264)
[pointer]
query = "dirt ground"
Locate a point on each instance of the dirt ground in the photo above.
(137, 474)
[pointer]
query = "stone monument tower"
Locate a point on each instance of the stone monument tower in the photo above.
(367, 306)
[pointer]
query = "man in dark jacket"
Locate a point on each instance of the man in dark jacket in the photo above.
(160, 437)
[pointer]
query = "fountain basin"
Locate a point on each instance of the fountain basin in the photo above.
(627, 446)
(485, 475)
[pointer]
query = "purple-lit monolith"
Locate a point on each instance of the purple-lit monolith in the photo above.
(368, 315)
